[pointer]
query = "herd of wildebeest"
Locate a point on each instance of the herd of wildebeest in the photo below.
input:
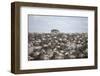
(51, 46)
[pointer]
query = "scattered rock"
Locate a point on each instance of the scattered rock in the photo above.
(55, 45)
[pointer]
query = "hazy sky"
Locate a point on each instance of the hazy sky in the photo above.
(39, 23)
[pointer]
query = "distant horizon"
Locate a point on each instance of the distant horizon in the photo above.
(65, 24)
(59, 32)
